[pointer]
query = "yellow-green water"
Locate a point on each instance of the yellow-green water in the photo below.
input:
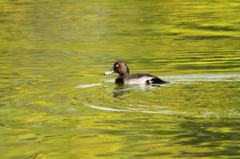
(55, 102)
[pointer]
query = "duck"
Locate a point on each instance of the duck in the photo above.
(139, 78)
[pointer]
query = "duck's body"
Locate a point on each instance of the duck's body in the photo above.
(124, 78)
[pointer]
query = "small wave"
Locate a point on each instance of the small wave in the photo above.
(88, 85)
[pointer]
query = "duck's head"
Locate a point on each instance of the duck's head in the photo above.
(119, 67)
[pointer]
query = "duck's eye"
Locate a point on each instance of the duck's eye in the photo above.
(116, 65)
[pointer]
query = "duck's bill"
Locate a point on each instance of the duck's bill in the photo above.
(109, 72)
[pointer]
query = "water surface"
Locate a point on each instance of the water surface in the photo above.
(55, 102)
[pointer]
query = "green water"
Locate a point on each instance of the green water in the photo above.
(56, 104)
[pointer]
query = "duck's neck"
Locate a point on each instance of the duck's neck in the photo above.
(123, 75)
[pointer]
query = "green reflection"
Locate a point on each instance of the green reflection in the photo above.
(54, 104)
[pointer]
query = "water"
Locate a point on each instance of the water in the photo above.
(55, 102)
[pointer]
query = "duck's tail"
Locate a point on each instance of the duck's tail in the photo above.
(157, 80)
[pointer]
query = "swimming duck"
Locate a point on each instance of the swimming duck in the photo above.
(124, 78)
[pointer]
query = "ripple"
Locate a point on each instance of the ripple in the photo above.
(205, 77)
(184, 95)
(201, 95)
(88, 85)
(103, 108)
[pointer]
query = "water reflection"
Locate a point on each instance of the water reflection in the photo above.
(121, 92)
(51, 55)
(157, 135)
